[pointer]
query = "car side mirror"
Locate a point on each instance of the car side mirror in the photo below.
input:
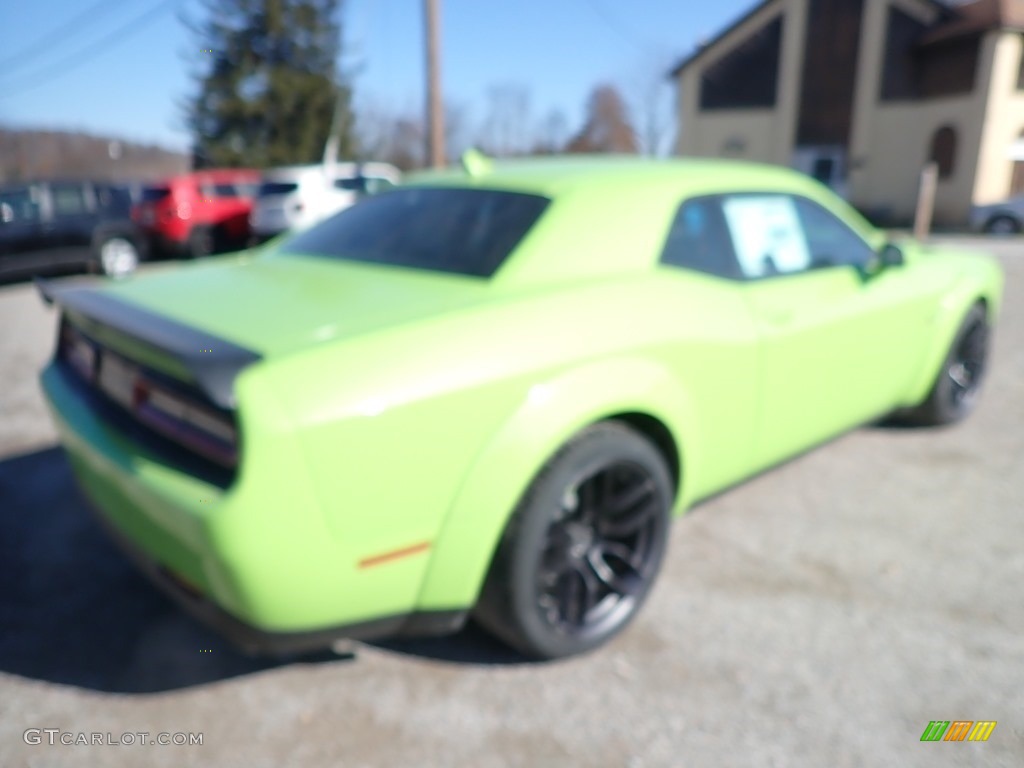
(891, 256)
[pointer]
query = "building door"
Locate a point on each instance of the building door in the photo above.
(826, 164)
(1017, 180)
(1017, 177)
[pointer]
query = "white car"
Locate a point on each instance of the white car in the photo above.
(298, 196)
(1002, 218)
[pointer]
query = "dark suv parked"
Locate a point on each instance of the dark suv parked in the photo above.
(51, 226)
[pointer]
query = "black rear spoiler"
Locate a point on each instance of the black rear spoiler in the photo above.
(212, 362)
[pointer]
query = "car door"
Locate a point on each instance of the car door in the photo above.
(715, 354)
(837, 342)
(21, 240)
(72, 222)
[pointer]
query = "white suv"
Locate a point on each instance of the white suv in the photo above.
(298, 196)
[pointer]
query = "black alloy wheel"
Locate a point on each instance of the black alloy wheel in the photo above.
(967, 365)
(955, 391)
(598, 551)
(584, 547)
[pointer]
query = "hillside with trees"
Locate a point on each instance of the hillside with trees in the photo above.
(27, 154)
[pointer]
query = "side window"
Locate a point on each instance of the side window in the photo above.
(18, 207)
(775, 234)
(376, 184)
(767, 234)
(698, 240)
(68, 200)
(831, 242)
(351, 183)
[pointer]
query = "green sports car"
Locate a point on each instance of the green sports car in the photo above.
(487, 392)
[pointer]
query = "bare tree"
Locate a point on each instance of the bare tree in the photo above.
(652, 98)
(390, 135)
(506, 128)
(552, 134)
(398, 136)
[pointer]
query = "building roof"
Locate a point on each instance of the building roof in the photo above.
(977, 17)
(974, 17)
(688, 60)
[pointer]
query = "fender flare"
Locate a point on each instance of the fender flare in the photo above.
(125, 229)
(950, 314)
(551, 413)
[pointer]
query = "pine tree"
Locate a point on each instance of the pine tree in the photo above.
(268, 83)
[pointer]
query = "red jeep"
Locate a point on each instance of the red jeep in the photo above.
(199, 213)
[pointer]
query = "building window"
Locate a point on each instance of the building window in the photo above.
(747, 76)
(912, 71)
(900, 67)
(943, 151)
(736, 146)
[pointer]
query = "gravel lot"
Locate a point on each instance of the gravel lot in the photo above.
(820, 615)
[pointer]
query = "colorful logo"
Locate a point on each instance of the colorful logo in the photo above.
(958, 730)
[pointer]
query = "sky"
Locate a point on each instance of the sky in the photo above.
(122, 67)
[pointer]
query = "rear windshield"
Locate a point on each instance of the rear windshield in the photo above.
(153, 194)
(219, 190)
(269, 188)
(464, 231)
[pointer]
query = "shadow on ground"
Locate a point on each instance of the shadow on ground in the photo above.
(74, 611)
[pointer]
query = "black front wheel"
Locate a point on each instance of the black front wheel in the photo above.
(955, 391)
(584, 547)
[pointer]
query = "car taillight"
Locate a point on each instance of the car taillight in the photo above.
(183, 211)
(80, 354)
(186, 422)
(171, 414)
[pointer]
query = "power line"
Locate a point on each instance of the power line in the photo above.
(625, 32)
(37, 48)
(83, 55)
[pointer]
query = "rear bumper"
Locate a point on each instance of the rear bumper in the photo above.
(255, 641)
(269, 582)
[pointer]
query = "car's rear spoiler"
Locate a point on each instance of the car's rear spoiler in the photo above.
(211, 362)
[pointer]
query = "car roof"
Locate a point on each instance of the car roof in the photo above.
(610, 215)
(343, 169)
(556, 176)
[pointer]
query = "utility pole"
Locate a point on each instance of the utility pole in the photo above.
(435, 109)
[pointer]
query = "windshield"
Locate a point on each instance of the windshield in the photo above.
(153, 194)
(465, 231)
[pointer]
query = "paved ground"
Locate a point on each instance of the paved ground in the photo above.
(820, 615)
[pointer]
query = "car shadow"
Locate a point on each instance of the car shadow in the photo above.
(74, 611)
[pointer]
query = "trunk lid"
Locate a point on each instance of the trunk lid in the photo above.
(279, 304)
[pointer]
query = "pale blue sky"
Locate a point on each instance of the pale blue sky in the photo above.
(556, 49)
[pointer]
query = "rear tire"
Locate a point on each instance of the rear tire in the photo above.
(583, 548)
(1002, 225)
(202, 241)
(955, 392)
